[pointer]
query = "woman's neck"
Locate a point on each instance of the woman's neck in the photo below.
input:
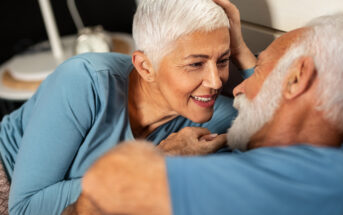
(147, 107)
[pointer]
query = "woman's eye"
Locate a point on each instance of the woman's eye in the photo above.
(223, 62)
(196, 65)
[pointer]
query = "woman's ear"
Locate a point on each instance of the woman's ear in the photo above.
(300, 79)
(143, 66)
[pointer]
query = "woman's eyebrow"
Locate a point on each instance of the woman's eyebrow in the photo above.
(227, 52)
(197, 56)
(206, 56)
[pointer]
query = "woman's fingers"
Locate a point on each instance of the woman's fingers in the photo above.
(196, 132)
(216, 143)
(240, 53)
(208, 137)
(192, 141)
(230, 9)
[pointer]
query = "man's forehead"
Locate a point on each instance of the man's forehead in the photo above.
(280, 45)
(284, 42)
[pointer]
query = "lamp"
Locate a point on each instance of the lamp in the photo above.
(37, 66)
(22, 74)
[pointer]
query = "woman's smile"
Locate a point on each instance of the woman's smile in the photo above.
(205, 101)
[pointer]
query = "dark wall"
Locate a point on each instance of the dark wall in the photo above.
(21, 23)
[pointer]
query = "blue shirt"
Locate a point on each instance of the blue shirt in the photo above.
(296, 180)
(78, 113)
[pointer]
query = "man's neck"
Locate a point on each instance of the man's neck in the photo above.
(147, 107)
(294, 127)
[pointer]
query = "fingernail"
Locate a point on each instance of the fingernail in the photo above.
(213, 135)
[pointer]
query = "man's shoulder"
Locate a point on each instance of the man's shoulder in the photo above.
(217, 184)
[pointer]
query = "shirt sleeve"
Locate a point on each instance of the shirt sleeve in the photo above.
(62, 114)
(292, 180)
(247, 73)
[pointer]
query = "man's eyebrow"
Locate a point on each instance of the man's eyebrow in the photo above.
(206, 56)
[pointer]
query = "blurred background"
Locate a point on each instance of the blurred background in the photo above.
(22, 23)
(22, 28)
(23, 31)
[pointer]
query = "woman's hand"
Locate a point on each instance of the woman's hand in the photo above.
(192, 141)
(240, 53)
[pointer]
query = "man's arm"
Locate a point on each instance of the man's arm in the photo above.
(134, 178)
(130, 179)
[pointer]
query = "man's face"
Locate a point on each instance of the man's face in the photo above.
(257, 105)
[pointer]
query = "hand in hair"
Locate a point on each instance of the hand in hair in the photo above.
(241, 54)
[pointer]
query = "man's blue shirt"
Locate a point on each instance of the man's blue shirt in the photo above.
(295, 180)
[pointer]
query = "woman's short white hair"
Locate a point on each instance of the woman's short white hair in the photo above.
(159, 23)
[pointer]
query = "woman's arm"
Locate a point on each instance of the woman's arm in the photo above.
(240, 53)
(57, 125)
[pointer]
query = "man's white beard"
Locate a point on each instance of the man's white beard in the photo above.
(253, 115)
(246, 124)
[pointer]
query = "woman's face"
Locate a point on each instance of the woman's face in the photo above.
(190, 77)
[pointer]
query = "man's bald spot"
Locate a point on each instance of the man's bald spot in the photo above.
(278, 48)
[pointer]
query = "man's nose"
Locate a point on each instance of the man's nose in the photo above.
(239, 89)
(212, 78)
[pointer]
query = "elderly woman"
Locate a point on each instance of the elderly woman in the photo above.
(93, 101)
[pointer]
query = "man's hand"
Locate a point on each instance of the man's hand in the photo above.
(192, 141)
(83, 206)
(129, 179)
(240, 53)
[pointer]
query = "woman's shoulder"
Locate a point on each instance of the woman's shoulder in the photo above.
(93, 69)
(105, 61)
(94, 63)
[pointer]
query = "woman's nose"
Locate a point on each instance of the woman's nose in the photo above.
(213, 79)
(239, 89)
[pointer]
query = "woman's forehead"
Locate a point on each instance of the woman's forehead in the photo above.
(203, 43)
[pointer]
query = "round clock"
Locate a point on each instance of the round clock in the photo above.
(93, 40)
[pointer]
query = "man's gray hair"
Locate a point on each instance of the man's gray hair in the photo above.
(323, 41)
(159, 23)
(326, 40)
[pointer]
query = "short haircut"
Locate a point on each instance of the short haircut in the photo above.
(159, 23)
(323, 42)
(326, 47)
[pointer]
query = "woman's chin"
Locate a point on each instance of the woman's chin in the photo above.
(201, 118)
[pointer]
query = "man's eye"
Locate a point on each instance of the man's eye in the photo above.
(198, 64)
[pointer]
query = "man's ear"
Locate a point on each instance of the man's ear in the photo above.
(143, 66)
(301, 76)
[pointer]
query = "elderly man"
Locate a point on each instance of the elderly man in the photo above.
(292, 110)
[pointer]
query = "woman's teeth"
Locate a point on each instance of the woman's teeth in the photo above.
(202, 99)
